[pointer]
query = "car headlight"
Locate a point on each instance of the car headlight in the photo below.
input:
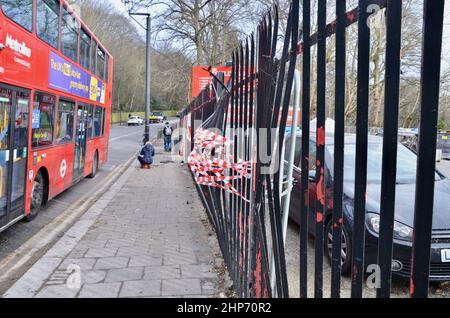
(401, 232)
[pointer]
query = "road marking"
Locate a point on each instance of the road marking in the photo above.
(123, 136)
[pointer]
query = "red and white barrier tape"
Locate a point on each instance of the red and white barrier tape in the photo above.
(208, 162)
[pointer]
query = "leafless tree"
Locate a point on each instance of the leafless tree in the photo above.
(206, 30)
(171, 69)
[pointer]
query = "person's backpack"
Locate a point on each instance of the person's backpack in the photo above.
(168, 131)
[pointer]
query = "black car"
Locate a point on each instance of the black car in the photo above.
(404, 212)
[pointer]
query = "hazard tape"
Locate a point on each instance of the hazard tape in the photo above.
(209, 162)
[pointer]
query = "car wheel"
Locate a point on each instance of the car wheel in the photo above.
(37, 197)
(346, 248)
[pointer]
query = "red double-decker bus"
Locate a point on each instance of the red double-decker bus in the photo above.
(55, 104)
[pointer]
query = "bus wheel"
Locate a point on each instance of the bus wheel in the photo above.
(94, 166)
(37, 197)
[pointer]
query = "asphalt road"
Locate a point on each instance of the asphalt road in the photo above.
(124, 142)
(400, 289)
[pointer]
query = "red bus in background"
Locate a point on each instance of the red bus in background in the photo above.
(55, 104)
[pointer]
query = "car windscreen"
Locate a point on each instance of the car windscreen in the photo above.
(406, 163)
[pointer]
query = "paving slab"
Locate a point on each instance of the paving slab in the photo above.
(141, 239)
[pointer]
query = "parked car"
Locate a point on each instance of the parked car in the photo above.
(135, 121)
(443, 144)
(157, 117)
(404, 210)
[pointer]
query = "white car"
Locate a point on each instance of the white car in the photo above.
(135, 121)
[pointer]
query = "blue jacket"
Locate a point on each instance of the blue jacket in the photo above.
(147, 153)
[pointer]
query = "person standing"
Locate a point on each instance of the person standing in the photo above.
(167, 132)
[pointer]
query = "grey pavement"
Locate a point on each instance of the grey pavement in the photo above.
(148, 236)
(124, 141)
(444, 167)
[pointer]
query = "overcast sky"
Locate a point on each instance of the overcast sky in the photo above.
(446, 43)
(118, 4)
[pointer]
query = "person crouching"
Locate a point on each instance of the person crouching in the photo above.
(146, 155)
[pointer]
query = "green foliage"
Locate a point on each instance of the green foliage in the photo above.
(442, 123)
(156, 105)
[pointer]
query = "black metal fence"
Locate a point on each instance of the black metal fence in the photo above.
(242, 193)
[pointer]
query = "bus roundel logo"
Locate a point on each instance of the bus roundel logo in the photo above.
(63, 168)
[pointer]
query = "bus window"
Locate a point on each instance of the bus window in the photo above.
(107, 68)
(6, 97)
(43, 115)
(47, 21)
(69, 35)
(21, 121)
(101, 63)
(85, 49)
(20, 11)
(97, 121)
(90, 120)
(93, 57)
(64, 127)
(103, 121)
(20, 149)
(5, 102)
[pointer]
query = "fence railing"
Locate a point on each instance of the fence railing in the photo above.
(236, 138)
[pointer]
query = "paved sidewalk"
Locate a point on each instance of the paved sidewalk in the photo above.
(148, 236)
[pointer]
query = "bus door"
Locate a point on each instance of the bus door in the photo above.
(80, 142)
(14, 112)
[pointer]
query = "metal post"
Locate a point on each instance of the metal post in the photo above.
(426, 163)
(148, 80)
(290, 170)
(339, 138)
(291, 164)
(306, 99)
(362, 127)
(148, 66)
(320, 146)
(390, 139)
